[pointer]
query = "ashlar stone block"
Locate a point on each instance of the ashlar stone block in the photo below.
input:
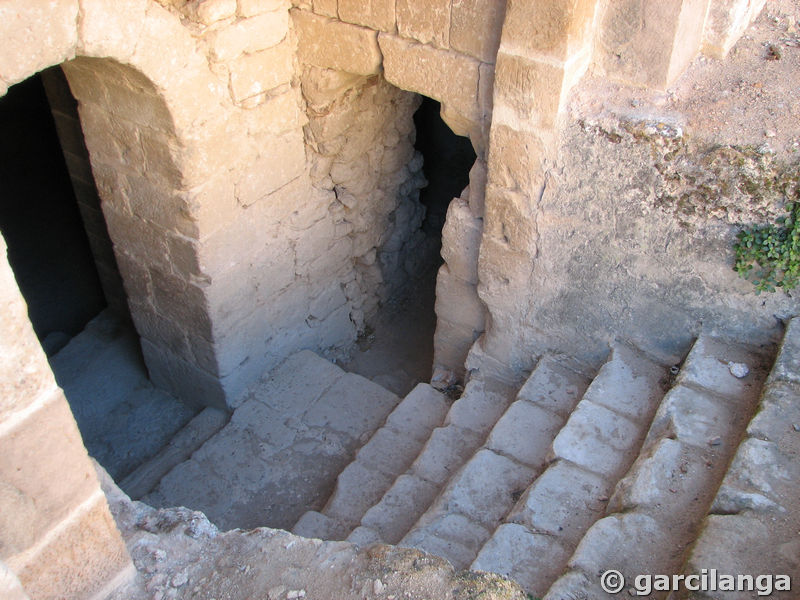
(209, 12)
(451, 344)
(427, 21)
(399, 508)
(458, 302)
(84, 556)
(563, 502)
(110, 29)
(327, 8)
(375, 14)
(515, 161)
(478, 408)
(525, 432)
(446, 450)
(250, 8)
(650, 43)
(461, 239)
(563, 27)
(249, 35)
(725, 23)
(36, 35)
(281, 161)
(475, 27)
(531, 91)
(336, 45)
(443, 75)
(617, 542)
(24, 371)
(45, 474)
(253, 74)
(483, 488)
(532, 559)
(597, 439)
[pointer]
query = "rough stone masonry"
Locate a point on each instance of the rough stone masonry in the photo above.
(255, 165)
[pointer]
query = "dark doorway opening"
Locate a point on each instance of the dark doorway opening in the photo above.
(63, 261)
(397, 350)
(48, 248)
(448, 160)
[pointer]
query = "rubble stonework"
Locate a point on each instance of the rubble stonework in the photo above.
(257, 177)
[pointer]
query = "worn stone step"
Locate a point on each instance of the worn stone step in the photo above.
(388, 453)
(82, 350)
(193, 435)
(753, 522)
(531, 558)
(98, 368)
(480, 495)
(607, 427)
(656, 509)
(314, 524)
(464, 431)
(554, 387)
(294, 432)
(563, 501)
(591, 452)
(470, 507)
(399, 508)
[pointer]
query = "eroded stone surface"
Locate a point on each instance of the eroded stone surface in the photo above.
(288, 442)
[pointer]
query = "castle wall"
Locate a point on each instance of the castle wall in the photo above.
(56, 532)
(257, 178)
(543, 206)
(442, 50)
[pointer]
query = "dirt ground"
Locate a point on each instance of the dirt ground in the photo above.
(750, 98)
(397, 350)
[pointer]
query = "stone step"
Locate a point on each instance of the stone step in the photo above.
(754, 518)
(294, 432)
(465, 428)
(388, 454)
(655, 510)
(480, 495)
(98, 368)
(590, 453)
(124, 420)
(180, 448)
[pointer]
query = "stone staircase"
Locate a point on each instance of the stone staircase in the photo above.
(294, 431)
(640, 467)
(578, 473)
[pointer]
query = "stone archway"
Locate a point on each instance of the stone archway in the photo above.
(143, 139)
(128, 64)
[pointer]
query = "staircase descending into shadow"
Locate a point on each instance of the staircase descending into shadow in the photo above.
(640, 467)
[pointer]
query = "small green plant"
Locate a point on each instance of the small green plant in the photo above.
(775, 248)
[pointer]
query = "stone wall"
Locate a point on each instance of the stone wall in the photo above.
(444, 50)
(56, 533)
(256, 172)
(70, 134)
(361, 134)
(533, 76)
(534, 291)
(215, 300)
(644, 255)
(726, 22)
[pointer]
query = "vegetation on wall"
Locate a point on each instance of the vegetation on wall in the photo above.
(775, 249)
(753, 188)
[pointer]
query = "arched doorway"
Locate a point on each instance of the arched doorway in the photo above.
(65, 265)
(50, 499)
